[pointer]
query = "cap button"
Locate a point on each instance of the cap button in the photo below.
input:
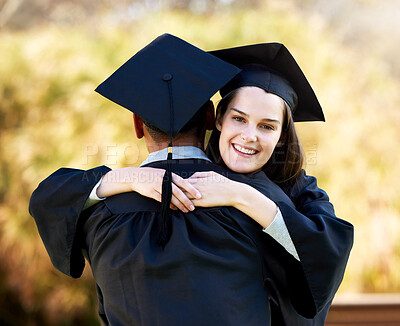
(167, 77)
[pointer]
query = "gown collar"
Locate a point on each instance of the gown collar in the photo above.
(178, 152)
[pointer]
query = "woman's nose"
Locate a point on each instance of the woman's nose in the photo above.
(249, 134)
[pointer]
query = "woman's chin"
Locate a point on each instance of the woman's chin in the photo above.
(239, 168)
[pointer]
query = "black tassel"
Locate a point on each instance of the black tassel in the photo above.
(165, 228)
(165, 223)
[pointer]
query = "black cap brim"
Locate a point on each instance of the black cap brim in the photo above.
(277, 57)
(141, 84)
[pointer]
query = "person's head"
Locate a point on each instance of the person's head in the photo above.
(192, 133)
(272, 93)
(166, 84)
(254, 131)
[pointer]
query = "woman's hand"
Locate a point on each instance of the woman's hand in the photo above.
(148, 182)
(215, 189)
(150, 185)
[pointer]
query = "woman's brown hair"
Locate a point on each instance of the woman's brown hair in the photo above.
(285, 163)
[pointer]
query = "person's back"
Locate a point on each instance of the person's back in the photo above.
(218, 267)
(209, 273)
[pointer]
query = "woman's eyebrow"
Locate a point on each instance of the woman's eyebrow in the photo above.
(265, 119)
(238, 111)
(271, 120)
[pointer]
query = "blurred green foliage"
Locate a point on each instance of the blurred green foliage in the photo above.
(51, 117)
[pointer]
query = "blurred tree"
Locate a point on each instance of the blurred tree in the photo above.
(50, 116)
(365, 25)
(23, 14)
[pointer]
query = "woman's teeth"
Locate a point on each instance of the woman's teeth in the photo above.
(244, 150)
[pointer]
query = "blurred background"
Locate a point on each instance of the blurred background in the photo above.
(53, 53)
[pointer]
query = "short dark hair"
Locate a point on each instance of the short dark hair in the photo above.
(286, 161)
(193, 126)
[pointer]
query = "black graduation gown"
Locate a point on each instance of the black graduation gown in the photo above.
(218, 267)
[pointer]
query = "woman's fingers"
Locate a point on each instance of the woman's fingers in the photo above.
(180, 200)
(186, 186)
(175, 202)
(172, 206)
(186, 193)
(203, 174)
(155, 195)
(208, 177)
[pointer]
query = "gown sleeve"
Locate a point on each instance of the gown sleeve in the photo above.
(323, 243)
(56, 205)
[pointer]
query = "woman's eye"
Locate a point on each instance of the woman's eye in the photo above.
(267, 127)
(239, 119)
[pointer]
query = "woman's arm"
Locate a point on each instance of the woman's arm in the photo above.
(217, 190)
(148, 182)
(59, 201)
(321, 240)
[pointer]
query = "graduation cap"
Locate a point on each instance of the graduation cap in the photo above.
(165, 84)
(271, 67)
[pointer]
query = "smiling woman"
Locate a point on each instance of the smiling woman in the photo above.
(259, 124)
(251, 127)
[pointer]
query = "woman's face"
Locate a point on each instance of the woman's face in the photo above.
(250, 129)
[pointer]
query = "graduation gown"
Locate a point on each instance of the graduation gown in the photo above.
(218, 267)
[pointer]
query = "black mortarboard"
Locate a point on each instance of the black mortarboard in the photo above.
(168, 71)
(165, 84)
(271, 67)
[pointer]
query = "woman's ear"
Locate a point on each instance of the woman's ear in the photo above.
(218, 121)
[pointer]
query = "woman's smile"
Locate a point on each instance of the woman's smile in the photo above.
(250, 129)
(242, 150)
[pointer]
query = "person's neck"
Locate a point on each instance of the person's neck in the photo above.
(156, 146)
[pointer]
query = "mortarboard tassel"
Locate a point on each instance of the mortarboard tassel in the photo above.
(166, 195)
(166, 190)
